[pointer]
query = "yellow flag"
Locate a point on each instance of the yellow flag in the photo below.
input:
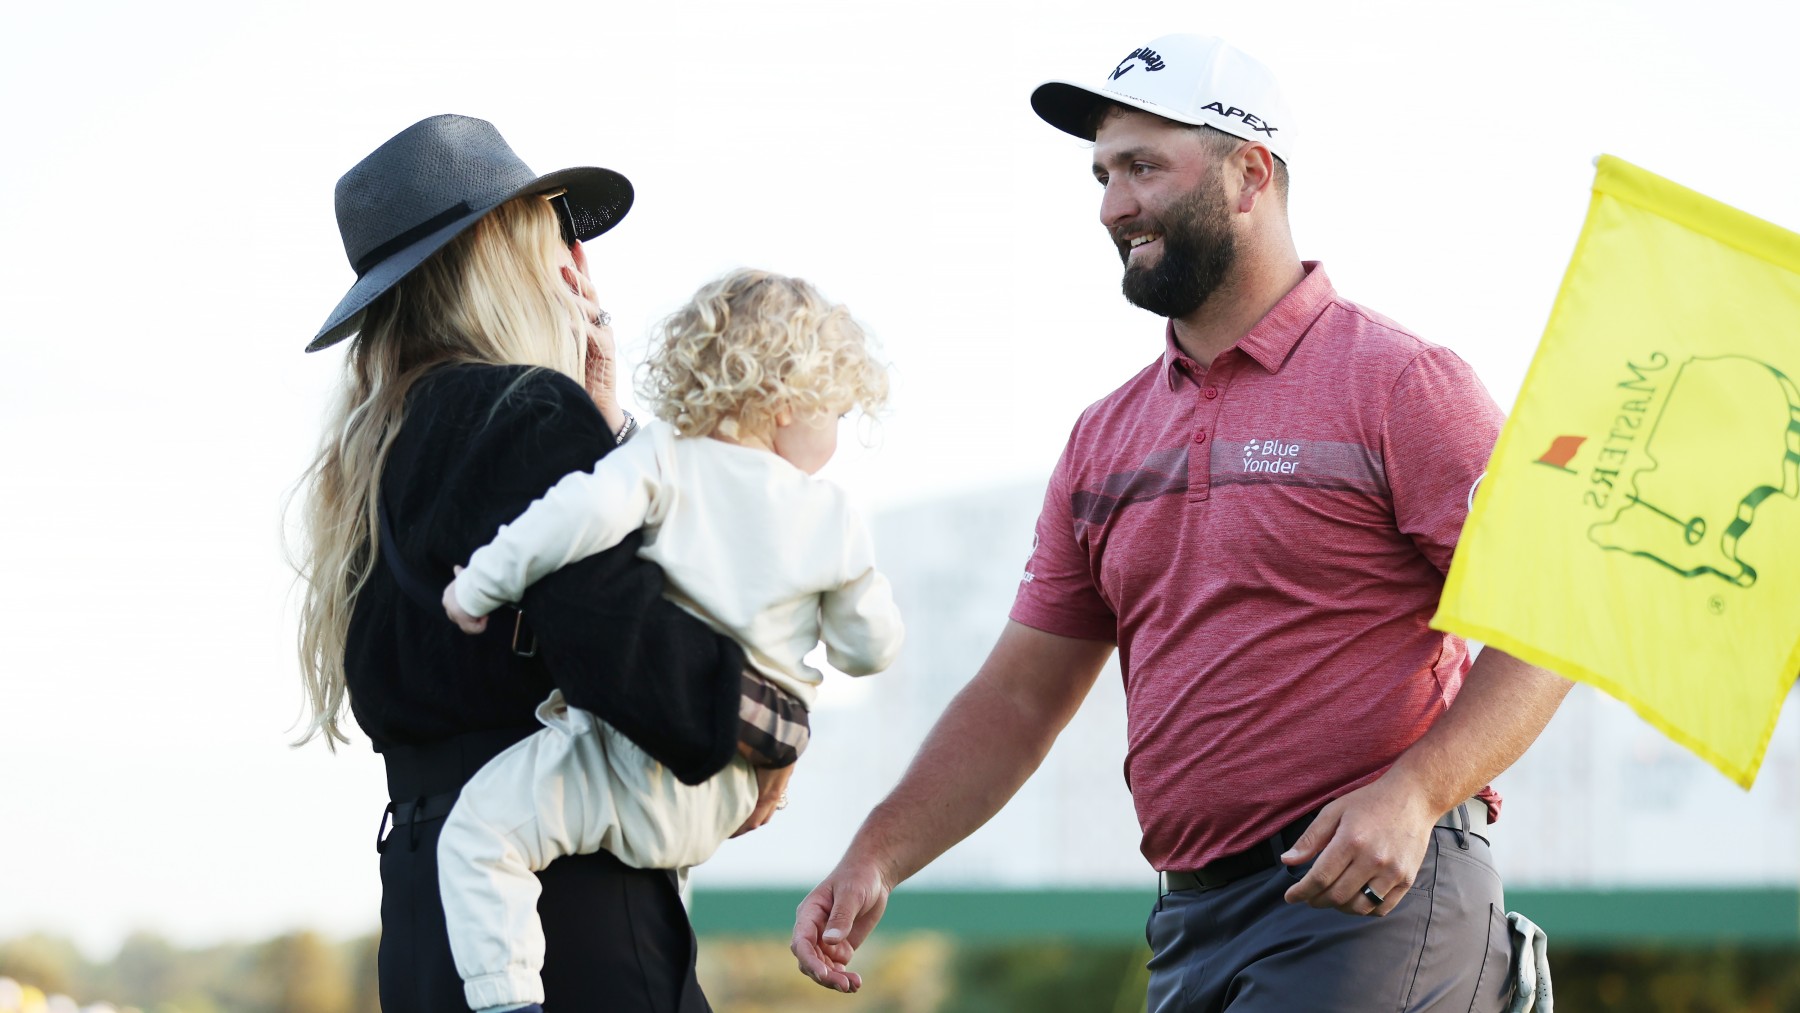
(1639, 525)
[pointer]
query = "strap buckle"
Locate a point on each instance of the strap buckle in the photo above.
(382, 828)
(521, 631)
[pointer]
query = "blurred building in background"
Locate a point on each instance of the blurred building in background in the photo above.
(1602, 805)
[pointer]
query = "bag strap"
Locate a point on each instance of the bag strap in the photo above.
(429, 598)
(422, 594)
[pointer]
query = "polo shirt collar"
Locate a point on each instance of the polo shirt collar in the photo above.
(1275, 335)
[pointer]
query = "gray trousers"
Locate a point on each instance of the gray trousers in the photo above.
(1242, 948)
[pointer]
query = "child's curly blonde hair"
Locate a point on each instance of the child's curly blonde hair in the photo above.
(755, 343)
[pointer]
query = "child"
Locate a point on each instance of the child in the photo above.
(754, 376)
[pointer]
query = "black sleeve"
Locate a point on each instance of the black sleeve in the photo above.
(611, 641)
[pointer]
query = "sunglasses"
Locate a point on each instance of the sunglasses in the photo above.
(565, 215)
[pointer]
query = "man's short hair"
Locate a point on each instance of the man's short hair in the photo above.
(1218, 143)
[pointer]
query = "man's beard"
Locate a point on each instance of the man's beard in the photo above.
(1198, 251)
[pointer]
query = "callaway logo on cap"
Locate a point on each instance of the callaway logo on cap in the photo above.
(1185, 78)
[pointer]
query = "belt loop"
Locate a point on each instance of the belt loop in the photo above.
(381, 829)
(1162, 890)
(412, 828)
(1460, 825)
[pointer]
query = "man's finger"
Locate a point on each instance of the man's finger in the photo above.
(1327, 869)
(1315, 838)
(842, 919)
(1390, 899)
(809, 918)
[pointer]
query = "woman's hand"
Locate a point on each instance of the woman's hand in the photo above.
(599, 356)
(771, 794)
(453, 608)
(600, 365)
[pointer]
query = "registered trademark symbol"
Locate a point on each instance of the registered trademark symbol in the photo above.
(1715, 605)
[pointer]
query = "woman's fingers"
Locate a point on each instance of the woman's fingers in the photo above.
(771, 786)
(599, 368)
(580, 284)
(578, 253)
(585, 297)
(599, 322)
(599, 355)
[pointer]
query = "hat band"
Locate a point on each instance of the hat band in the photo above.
(409, 237)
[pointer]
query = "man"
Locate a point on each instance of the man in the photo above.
(1261, 521)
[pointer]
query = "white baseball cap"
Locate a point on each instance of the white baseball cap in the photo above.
(1186, 78)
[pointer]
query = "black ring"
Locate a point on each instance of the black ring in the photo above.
(1374, 898)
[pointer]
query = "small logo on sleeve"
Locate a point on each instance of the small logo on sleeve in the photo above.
(1151, 60)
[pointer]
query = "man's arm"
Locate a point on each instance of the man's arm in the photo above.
(1377, 835)
(990, 739)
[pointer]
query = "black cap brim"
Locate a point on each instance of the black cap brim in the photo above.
(1068, 107)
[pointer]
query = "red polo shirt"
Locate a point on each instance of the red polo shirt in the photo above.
(1265, 537)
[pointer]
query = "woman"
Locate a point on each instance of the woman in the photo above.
(473, 319)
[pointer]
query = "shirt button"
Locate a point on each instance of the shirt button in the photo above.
(1200, 437)
(1211, 392)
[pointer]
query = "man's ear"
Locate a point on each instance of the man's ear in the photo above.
(1257, 165)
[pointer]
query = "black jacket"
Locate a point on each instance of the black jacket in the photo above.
(477, 445)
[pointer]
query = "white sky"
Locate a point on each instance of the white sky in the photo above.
(167, 246)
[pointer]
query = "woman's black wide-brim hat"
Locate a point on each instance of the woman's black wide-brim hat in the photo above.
(428, 184)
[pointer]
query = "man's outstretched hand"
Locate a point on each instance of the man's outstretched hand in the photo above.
(834, 920)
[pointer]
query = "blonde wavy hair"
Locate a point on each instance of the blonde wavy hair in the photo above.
(755, 343)
(492, 295)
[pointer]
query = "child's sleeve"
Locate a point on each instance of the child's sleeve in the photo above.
(584, 514)
(859, 621)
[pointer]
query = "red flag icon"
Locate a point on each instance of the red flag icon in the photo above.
(1562, 451)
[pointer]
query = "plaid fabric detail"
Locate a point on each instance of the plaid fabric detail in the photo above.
(772, 725)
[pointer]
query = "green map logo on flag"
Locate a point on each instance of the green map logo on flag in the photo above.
(1712, 508)
(1639, 525)
(1689, 516)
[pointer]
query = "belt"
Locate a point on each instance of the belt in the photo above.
(411, 814)
(1470, 817)
(424, 780)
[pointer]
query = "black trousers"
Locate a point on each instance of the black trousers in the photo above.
(618, 938)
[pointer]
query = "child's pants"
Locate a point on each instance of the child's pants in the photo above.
(576, 787)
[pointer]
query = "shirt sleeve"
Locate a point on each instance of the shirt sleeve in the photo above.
(1057, 593)
(773, 726)
(1439, 432)
(583, 514)
(859, 621)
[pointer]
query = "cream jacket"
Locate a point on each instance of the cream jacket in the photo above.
(762, 551)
